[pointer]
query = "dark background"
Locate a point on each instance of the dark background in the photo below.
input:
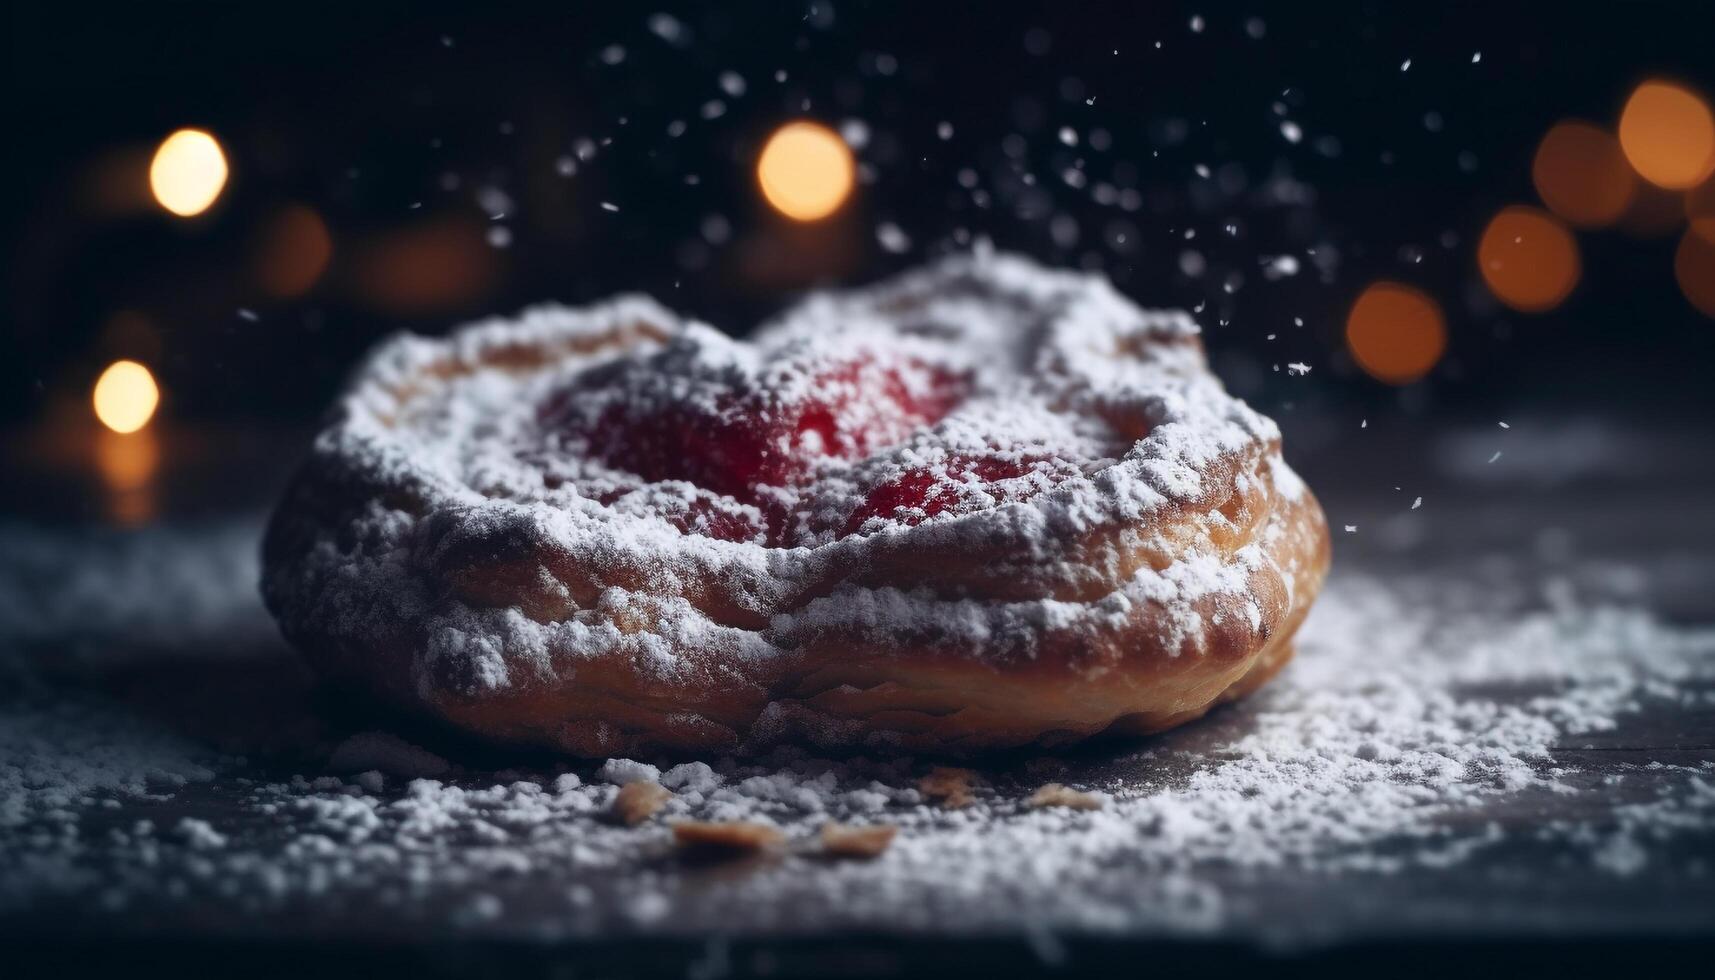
(394, 120)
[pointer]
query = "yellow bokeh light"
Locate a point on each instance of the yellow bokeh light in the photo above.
(1668, 134)
(805, 171)
(1528, 259)
(125, 396)
(1396, 332)
(188, 172)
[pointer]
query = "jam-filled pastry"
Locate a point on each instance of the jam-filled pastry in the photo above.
(982, 505)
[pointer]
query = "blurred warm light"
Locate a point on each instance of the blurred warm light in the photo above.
(1653, 213)
(1581, 173)
(127, 464)
(129, 334)
(1700, 209)
(1668, 134)
(805, 171)
(125, 396)
(294, 252)
(1528, 258)
(1694, 267)
(1395, 332)
(437, 264)
(188, 172)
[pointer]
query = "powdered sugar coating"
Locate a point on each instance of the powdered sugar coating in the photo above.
(983, 456)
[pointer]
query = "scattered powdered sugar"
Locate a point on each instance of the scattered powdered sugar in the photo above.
(1424, 726)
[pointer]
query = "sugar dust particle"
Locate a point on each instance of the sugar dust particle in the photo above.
(1351, 529)
(1068, 136)
(1298, 368)
(1196, 24)
(609, 206)
(248, 314)
(732, 83)
(500, 236)
(668, 28)
(1417, 503)
(1364, 424)
(855, 132)
(944, 130)
(1496, 456)
(1256, 29)
(446, 41)
(613, 54)
(1405, 65)
(1298, 321)
(1504, 425)
(892, 238)
(1476, 56)
(1291, 131)
(1202, 170)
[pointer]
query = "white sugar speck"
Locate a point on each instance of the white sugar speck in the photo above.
(892, 238)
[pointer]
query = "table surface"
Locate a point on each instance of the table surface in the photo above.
(1611, 514)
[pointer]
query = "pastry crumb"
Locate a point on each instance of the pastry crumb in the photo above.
(637, 802)
(844, 840)
(949, 785)
(1056, 794)
(726, 835)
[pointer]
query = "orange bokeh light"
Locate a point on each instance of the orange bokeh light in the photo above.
(805, 171)
(1694, 267)
(293, 252)
(1581, 173)
(1396, 332)
(436, 264)
(1668, 134)
(1529, 259)
(1654, 213)
(1700, 209)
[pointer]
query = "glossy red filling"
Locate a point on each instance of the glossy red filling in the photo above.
(919, 494)
(735, 440)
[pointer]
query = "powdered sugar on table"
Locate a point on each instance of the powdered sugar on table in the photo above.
(1425, 727)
